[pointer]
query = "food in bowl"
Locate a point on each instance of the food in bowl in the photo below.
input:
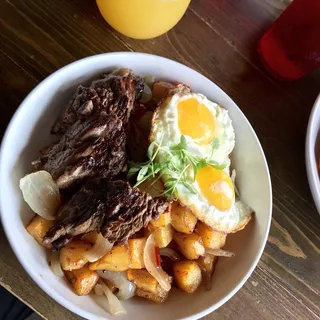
(137, 194)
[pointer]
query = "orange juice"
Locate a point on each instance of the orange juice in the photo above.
(142, 19)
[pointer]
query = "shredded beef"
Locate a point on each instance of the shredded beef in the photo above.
(90, 154)
(92, 147)
(113, 208)
(114, 94)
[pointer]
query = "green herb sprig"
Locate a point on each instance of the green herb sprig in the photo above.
(178, 160)
(149, 168)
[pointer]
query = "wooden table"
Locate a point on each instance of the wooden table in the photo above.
(218, 38)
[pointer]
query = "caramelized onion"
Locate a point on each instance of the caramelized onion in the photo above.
(55, 264)
(115, 305)
(207, 273)
(41, 193)
(150, 262)
(149, 80)
(207, 280)
(119, 280)
(170, 253)
(220, 253)
(100, 248)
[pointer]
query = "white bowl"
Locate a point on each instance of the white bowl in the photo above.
(29, 131)
(313, 152)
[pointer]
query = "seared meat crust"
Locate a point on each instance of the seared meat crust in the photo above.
(92, 147)
(113, 208)
(113, 94)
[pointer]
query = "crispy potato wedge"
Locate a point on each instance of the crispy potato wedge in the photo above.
(143, 280)
(116, 260)
(182, 219)
(163, 235)
(82, 280)
(147, 286)
(72, 256)
(136, 248)
(164, 220)
(38, 228)
(158, 297)
(160, 89)
(187, 275)
(210, 238)
(190, 245)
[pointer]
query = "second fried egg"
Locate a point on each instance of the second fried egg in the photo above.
(214, 201)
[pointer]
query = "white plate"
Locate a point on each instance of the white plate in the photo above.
(313, 152)
(29, 131)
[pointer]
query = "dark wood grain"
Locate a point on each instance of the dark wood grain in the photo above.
(16, 281)
(218, 38)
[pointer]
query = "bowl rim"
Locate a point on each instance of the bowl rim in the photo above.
(42, 284)
(311, 165)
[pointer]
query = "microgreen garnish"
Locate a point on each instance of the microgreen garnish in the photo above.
(180, 151)
(175, 159)
(146, 169)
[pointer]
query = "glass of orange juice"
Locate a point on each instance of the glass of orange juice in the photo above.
(142, 19)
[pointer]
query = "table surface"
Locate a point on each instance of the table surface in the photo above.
(218, 38)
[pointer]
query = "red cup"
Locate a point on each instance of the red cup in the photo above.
(290, 48)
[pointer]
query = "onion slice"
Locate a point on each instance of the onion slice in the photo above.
(115, 305)
(99, 298)
(170, 253)
(55, 265)
(41, 193)
(207, 280)
(220, 253)
(207, 273)
(101, 247)
(147, 94)
(150, 262)
(98, 290)
(149, 80)
(233, 179)
(119, 280)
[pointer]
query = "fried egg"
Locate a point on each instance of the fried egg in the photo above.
(201, 121)
(215, 202)
(211, 194)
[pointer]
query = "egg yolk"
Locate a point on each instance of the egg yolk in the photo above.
(196, 121)
(217, 187)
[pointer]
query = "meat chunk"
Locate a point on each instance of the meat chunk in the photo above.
(92, 147)
(137, 143)
(113, 208)
(129, 210)
(114, 94)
